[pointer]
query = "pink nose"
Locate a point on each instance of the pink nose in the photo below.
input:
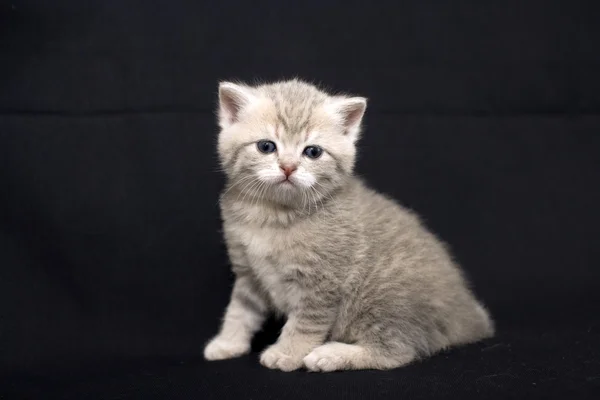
(288, 169)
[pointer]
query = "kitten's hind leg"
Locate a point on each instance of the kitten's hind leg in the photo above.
(334, 356)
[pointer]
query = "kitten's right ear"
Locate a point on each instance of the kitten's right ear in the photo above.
(232, 100)
(350, 111)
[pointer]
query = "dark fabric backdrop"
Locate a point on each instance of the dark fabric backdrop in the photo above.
(483, 117)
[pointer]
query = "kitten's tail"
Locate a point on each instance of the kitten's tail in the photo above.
(485, 325)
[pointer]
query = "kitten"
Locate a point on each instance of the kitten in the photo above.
(362, 283)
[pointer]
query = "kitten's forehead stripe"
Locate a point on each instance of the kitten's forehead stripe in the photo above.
(283, 121)
(307, 135)
(294, 105)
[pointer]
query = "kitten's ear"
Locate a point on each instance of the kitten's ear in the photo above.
(232, 99)
(351, 111)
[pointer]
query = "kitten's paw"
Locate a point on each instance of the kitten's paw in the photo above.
(222, 349)
(274, 358)
(326, 358)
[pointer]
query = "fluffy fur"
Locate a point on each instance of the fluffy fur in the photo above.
(362, 283)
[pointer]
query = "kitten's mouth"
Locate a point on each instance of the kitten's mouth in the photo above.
(286, 183)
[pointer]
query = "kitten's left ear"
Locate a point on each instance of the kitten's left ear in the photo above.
(351, 111)
(232, 100)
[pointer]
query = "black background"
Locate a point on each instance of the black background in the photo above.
(483, 117)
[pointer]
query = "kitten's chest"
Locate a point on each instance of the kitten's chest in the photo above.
(267, 245)
(272, 255)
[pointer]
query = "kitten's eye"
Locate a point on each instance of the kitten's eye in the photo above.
(313, 152)
(266, 146)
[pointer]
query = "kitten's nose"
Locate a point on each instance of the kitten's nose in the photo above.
(288, 169)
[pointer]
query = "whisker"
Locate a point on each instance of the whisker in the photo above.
(247, 188)
(319, 197)
(246, 185)
(304, 201)
(328, 195)
(261, 189)
(236, 183)
(317, 214)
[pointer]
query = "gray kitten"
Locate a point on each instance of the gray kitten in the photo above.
(362, 283)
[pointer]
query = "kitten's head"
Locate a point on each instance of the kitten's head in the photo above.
(287, 142)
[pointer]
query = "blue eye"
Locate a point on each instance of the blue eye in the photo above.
(313, 152)
(266, 146)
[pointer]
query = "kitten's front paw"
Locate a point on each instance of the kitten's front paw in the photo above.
(326, 358)
(274, 358)
(221, 349)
